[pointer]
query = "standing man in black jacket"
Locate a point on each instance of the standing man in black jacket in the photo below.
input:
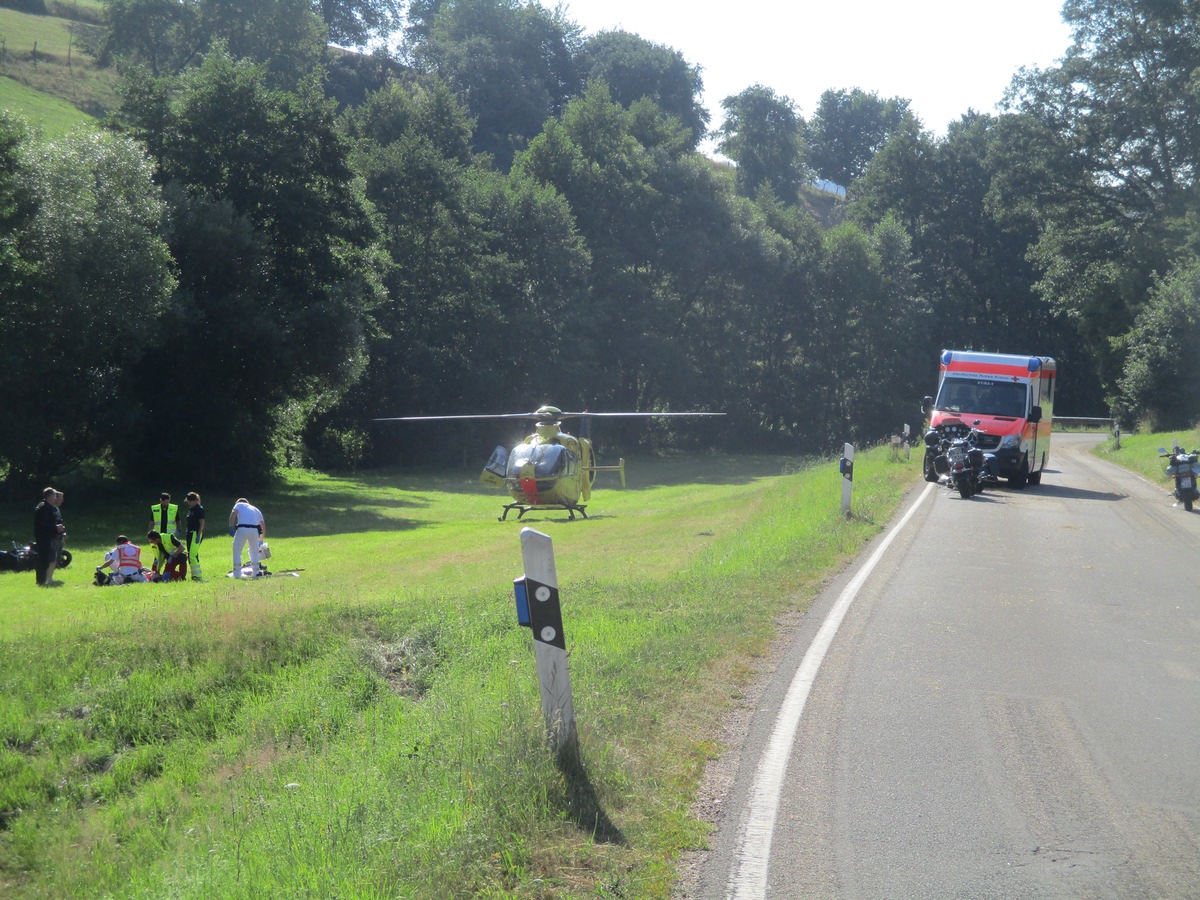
(47, 525)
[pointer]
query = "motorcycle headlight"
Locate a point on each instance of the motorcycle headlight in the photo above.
(1010, 442)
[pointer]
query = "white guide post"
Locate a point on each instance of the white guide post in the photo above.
(538, 608)
(847, 469)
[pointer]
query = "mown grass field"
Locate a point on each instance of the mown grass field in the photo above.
(373, 726)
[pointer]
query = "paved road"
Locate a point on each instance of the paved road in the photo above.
(1010, 708)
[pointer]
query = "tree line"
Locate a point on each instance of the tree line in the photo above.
(274, 241)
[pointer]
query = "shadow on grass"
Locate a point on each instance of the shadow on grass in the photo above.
(654, 472)
(585, 809)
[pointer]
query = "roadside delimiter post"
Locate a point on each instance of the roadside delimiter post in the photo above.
(539, 610)
(846, 467)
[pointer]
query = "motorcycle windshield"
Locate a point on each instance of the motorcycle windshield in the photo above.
(983, 396)
(549, 460)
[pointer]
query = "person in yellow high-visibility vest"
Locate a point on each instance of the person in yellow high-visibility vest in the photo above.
(164, 516)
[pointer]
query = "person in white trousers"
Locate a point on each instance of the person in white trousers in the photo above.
(246, 524)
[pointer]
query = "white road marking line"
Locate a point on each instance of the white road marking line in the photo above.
(754, 851)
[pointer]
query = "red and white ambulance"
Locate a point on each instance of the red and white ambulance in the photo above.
(1011, 398)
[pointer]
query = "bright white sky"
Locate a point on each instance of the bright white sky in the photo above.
(945, 56)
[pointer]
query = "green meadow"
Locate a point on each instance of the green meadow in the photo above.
(46, 74)
(372, 727)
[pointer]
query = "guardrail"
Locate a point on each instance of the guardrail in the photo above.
(1108, 422)
(1087, 420)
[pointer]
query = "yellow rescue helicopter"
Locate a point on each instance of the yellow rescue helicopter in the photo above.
(549, 469)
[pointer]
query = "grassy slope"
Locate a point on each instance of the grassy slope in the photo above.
(54, 117)
(373, 727)
(58, 69)
(1139, 452)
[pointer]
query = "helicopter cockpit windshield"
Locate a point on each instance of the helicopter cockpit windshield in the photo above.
(549, 460)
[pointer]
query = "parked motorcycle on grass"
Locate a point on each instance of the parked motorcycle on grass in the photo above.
(1183, 467)
(24, 558)
(953, 458)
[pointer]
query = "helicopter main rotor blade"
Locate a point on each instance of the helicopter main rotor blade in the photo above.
(613, 415)
(545, 415)
(447, 418)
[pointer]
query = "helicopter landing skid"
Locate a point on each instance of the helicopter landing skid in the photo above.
(524, 508)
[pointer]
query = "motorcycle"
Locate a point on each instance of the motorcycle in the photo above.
(954, 459)
(24, 558)
(1182, 466)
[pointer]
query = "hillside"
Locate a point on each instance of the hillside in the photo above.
(43, 54)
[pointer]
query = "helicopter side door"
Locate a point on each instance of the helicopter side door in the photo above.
(497, 465)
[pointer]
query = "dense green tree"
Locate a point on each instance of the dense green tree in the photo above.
(485, 271)
(510, 63)
(286, 36)
(764, 135)
(355, 23)
(17, 207)
(1108, 161)
(278, 271)
(165, 38)
(849, 128)
(878, 318)
(594, 159)
(636, 69)
(94, 281)
(1160, 386)
(971, 259)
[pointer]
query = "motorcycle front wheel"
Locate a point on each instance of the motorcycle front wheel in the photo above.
(64, 558)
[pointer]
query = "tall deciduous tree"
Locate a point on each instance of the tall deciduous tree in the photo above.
(510, 63)
(1109, 160)
(1160, 385)
(355, 23)
(94, 280)
(849, 128)
(485, 270)
(764, 135)
(168, 36)
(278, 271)
(635, 69)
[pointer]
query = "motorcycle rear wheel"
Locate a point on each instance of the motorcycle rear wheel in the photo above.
(964, 488)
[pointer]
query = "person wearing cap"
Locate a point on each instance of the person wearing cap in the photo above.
(246, 524)
(164, 516)
(125, 560)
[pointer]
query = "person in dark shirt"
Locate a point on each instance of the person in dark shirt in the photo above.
(195, 531)
(57, 544)
(46, 527)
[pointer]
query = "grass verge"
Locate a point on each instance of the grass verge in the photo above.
(372, 727)
(1139, 452)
